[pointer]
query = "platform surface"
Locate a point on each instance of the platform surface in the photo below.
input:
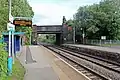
(41, 64)
(109, 49)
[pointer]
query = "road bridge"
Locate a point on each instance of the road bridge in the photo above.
(48, 29)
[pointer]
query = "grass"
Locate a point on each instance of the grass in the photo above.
(110, 45)
(18, 71)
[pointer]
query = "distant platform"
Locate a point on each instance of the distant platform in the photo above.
(108, 49)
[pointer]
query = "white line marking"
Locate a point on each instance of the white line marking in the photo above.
(68, 64)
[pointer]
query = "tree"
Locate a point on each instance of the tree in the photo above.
(101, 19)
(20, 8)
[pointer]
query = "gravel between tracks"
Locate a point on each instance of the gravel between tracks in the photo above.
(101, 70)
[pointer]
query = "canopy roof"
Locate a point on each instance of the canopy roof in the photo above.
(15, 33)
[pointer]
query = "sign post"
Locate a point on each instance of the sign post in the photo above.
(9, 55)
(102, 38)
(83, 35)
(74, 35)
(13, 29)
(10, 28)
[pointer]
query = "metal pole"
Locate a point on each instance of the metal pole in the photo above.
(12, 31)
(13, 46)
(9, 9)
(9, 43)
(83, 36)
(74, 35)
(9, 64)
(9, 31)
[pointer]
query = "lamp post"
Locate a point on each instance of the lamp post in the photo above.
(11, 29)
(83, 34)
(74, 35)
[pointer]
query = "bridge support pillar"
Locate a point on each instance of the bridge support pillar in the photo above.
(58, 39)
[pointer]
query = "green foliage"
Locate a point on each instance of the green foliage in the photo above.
(3, 62)
(27, 30)
(3, 14)
(28, 34)
(69, 22)
(20, 8)
(47, 39)
(98, 20)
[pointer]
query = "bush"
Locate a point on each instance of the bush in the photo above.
(3, 62)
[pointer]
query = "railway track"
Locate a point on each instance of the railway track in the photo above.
(76, 50)
(112, 69)
(74, 61)
(102, 62)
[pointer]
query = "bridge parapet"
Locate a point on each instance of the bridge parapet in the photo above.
(49, 29)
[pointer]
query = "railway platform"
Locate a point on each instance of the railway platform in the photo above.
(108, 49)
(42, 64)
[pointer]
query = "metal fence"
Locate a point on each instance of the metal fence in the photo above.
(103, 42)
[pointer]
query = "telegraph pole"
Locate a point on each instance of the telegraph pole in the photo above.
(9, 56)
(11, 29)
(74, 35)
(13, 56)
(83, 35)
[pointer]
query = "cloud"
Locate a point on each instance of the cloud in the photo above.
(49, 12)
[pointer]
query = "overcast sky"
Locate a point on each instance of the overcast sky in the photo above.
(48, 12)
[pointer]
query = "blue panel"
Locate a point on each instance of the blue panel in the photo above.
(17, 43)
(6, 40)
